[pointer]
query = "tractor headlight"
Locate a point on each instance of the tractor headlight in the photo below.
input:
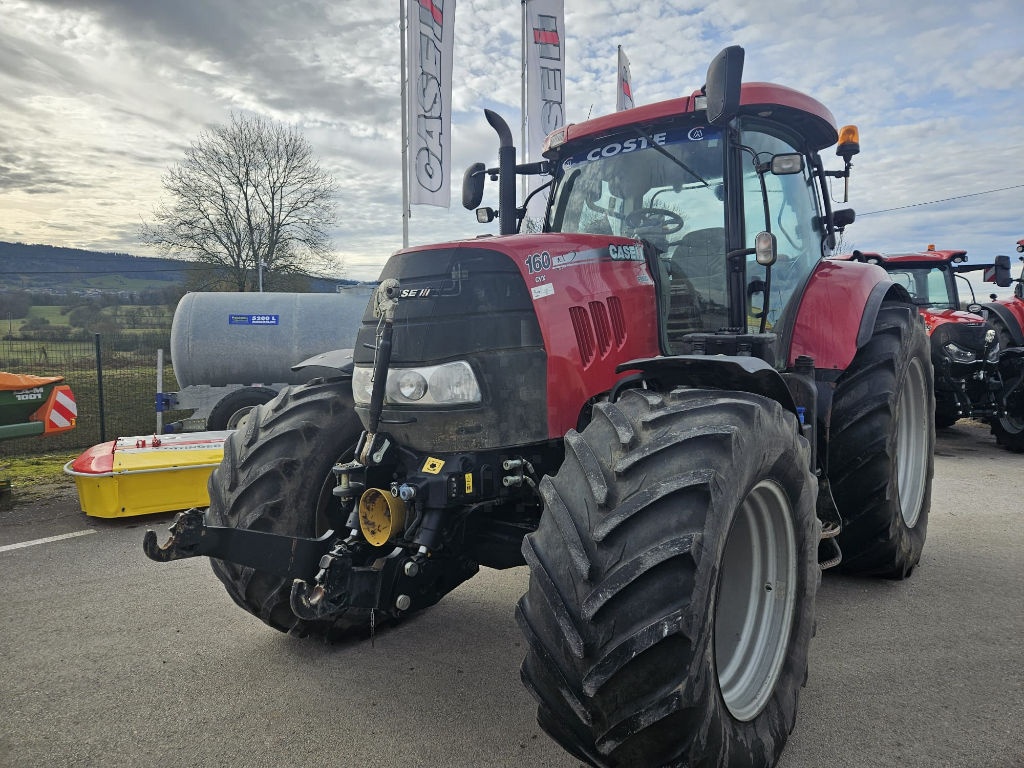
(959, 354)
(407, 385)
(448, 384)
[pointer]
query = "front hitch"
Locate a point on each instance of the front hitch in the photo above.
(287, 556)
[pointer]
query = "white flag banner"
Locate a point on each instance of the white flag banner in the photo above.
(624, 99)
(429, 44)
(545, 72)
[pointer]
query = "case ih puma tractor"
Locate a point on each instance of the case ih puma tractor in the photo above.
(1007, 315)
(975, 375)
(666, 404)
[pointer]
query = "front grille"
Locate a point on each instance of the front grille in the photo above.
(967, 335)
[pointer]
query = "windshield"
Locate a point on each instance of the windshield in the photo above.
(663, 186)
(929, 286)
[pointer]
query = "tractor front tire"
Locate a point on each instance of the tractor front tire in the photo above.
(881, 441)
(1009, 429)
(276, 477)
(672, 586)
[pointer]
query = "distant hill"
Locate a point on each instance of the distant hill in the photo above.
(48, 268)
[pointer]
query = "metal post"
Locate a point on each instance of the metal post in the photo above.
(99, 390)
(403, 24)
(524, 148)
(159, 391)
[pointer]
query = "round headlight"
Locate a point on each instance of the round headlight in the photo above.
(411, 385)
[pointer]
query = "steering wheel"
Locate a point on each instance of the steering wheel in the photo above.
(653, 221)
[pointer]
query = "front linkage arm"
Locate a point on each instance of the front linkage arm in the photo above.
(285, 556)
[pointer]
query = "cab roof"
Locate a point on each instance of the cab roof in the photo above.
(807, 115)
(896, 258)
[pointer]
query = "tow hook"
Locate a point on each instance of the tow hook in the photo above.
(308, 602)
(186, 535)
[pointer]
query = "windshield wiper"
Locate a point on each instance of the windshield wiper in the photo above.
(654, 145)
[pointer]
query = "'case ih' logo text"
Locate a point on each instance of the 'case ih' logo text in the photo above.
(626, 252)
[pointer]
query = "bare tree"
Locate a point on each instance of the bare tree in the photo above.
(250, 200)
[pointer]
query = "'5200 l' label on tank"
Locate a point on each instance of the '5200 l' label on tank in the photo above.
(254, 319)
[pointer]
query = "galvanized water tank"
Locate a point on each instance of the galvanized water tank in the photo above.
(246, 338)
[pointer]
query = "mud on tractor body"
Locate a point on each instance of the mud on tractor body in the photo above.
(979, 372)
(666, 404)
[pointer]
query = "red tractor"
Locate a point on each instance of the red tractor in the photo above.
(975, 375)
(1007, 315)
(666, 404)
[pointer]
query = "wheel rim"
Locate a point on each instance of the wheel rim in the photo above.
(236, 418)
(912, 442)
(756, 601)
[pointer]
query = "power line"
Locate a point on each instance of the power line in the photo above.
(109, 271)
(943, 200)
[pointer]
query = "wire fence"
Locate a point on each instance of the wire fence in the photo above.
(113, 378)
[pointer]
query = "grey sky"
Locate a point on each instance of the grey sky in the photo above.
(99, 97)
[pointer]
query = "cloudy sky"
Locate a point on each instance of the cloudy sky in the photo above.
(99, 97)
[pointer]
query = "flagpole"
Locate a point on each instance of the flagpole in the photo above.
(523, 149)
(403, 23)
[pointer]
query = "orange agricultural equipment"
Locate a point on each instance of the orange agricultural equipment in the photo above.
(35, 405)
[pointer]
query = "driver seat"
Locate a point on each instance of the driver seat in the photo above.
(700, 257)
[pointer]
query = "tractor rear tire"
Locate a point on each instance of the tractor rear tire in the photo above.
(882, 437)
(672, 586)
(276, 477)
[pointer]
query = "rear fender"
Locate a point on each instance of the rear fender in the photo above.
(837, 312)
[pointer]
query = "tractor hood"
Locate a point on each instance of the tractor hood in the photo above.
(934, 318)
(541, 320)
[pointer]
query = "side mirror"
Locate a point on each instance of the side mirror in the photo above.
(722, 87)
(1001, 272)
(473, 186)
(843, 217)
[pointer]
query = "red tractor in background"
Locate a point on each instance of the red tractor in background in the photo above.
(667, 404)
(1007, 315)
(975, 375)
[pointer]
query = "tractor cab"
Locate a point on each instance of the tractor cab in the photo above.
(668, 183)
(724, 192)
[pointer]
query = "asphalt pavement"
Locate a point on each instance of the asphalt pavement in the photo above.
(109, 659)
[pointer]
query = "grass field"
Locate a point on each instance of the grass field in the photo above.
(131, 317)
(32, 477)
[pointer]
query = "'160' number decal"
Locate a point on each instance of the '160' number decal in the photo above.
(538, 262)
